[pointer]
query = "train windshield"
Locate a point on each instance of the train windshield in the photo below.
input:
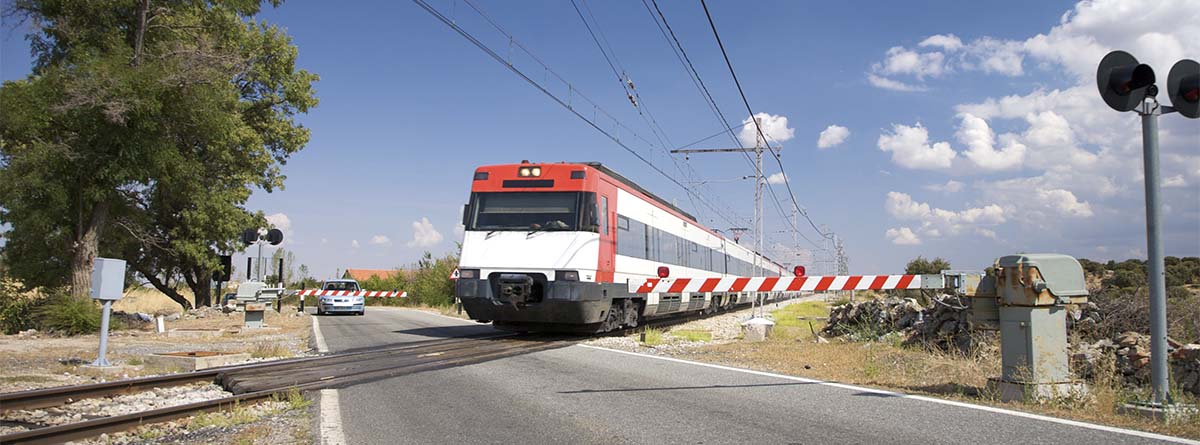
(530, 210)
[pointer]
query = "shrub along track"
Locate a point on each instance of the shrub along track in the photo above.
(256, 382)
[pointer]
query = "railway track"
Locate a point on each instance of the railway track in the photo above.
(256, 382)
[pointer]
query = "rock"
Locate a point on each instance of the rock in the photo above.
(1127, 339)
(172, 317)
(28, 333)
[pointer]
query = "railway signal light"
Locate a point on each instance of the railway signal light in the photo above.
(798, 271)
(1123, 82)
(1126, 85)
(1183, 87)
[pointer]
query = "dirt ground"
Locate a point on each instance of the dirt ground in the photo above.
(35, 360)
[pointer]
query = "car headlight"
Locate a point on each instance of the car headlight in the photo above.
(359, 300)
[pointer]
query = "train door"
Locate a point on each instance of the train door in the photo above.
(606, 198)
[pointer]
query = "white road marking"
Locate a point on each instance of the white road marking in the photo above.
(1076, 423)
(331, 419)
(316, 327)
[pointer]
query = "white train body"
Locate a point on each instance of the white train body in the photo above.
(553, 246)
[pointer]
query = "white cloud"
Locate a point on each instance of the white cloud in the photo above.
(424, 234)
(1064, 202)
(775, 127)
(986, 233)
(776, 178)
(948, 42)
(900, 60)
(283, 223)
(903, 236)
(975, 133)
(894, 85)
(902, 206)
(1174, 181)
(993, 56)
(381, 240)
(911, 149)
(832, 135)
(354, 244)
(934, 220)
(950, 186)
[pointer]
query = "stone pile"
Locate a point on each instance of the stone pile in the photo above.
(204, 312)
(943, 325)
(1128, 353)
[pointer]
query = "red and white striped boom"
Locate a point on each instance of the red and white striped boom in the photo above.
(350, 293)
(775, 284)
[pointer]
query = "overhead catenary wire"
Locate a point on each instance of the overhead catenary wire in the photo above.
(564, 103)
(673, 41)
(750, 110)
(627, 86)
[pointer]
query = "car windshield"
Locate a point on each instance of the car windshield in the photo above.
(526, 211)
(341, 285)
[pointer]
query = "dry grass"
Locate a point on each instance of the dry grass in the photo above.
(270, 350)
(890, 365)
(149, 300)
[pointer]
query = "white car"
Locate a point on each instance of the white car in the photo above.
(344, 304)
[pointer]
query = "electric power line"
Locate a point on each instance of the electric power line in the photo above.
(564, 103)
(757, 126)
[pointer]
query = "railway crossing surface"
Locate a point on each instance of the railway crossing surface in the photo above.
(583, 394)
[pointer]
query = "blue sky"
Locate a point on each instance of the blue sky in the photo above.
(973, 130)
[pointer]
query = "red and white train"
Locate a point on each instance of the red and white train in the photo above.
(552, 247)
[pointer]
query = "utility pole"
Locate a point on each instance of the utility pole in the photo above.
(760, 146)
(759, 182)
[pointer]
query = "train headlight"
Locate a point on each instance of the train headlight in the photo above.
(526, 172)
(469, 274)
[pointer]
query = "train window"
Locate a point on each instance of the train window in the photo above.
(632, 243)
(526, 211)
(604, 215)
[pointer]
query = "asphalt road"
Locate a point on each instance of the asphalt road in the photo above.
(586, 395)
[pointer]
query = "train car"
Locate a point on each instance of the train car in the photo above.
(552, 247)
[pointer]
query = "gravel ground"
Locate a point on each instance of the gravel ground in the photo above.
(725, 328)
(34, 360)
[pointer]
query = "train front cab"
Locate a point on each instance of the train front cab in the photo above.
(538, 250)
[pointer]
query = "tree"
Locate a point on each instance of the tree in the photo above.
(922, 266)
(158, 119)
(289, 262)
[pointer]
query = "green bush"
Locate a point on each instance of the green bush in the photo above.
(16, 308)
(63, 314)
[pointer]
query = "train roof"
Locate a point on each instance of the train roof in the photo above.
(608, 171)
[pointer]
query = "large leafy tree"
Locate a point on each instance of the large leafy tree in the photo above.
(141, 133)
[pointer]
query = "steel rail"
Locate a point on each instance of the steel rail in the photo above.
(59, 395)
(384, 369)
